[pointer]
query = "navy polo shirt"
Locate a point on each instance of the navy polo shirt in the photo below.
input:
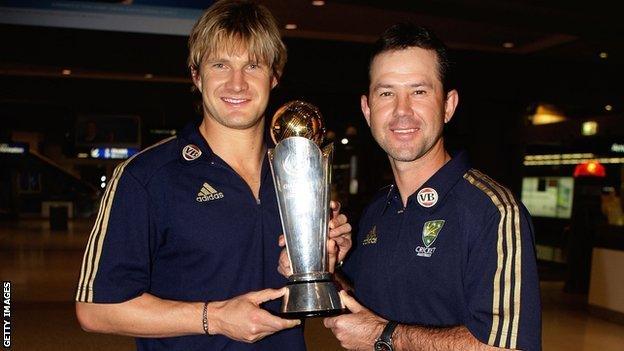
(460, 253)
(179, 223)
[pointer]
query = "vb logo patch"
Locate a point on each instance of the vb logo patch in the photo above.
(371, 237)
(191, 152)
(430, 232)
(427, 197)
(208, 193)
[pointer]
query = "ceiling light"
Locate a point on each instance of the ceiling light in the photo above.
(318, 3)
(603, 55)
(291, 26)
(148, 76)
(508, 45)
(344, 141)
(608, 107)
(547, 114)
(589, 128)
(66, 72)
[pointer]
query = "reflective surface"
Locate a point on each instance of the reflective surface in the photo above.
(298, 118)
(311, 299)
(301, 176)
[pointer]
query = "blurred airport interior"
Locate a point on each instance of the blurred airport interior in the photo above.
(84, 85)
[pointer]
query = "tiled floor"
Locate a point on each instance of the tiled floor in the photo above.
(43, 266)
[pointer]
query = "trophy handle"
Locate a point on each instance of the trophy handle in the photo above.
(328, 156)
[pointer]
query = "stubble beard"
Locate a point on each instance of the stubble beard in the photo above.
(235, 122)
(407, 151)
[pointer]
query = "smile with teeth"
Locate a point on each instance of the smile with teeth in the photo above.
(234, 100)
(405, 130)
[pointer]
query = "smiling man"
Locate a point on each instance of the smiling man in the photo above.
(445, 258)
(185, 246)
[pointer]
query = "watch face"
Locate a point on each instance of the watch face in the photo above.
(381, 345)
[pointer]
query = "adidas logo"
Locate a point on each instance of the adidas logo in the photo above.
(208, 193)
(371, 237)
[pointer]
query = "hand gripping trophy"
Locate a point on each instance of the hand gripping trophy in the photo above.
(302, 176)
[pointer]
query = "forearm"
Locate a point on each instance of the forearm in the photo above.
(417, 338)
(143, 316)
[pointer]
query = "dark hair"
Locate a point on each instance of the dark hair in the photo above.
(405, 35)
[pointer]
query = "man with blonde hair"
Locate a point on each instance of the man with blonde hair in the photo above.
(184, 250)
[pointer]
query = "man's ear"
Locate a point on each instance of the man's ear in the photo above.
(196, 79)
(274, 81)
(365, 108)
(452, 99)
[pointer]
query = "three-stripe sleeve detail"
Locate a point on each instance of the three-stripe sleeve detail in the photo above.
(507, 278)
(93, 251)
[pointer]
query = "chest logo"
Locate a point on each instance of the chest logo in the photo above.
(427, 197)
(191, 152)
(208, 193)
(371, 237)
(430, 232)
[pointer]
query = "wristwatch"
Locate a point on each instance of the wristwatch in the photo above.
(384, 343)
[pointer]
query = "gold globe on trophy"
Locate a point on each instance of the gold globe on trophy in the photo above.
(298, 118)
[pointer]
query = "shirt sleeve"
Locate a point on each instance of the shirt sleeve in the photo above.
(116, 261)
(501, 282)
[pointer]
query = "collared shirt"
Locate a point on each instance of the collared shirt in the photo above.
(178, 222)
(461, 252)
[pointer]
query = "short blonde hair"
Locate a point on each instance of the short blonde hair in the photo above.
(235, 25)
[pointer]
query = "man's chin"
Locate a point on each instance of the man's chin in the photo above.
(242, 124)
(405, 155)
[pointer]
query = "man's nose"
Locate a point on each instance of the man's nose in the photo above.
(403, 105)
(237, 80)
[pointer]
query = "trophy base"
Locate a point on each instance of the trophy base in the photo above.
(311, 299)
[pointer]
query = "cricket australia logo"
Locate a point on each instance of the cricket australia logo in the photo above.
(371, 237)
(430, 232)
(208, 193)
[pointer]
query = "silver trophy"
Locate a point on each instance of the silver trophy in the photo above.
(302, 176)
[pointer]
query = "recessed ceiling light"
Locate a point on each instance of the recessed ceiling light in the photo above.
(508, 45)
(66, 72)
(589, 128)
(291, 26)
(608, 107)
(603, 55)
(318, 3)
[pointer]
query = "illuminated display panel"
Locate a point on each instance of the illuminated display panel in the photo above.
(548, 196)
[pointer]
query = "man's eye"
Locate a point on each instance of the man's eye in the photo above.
(385, 93)
(420, 92)
(254, 65)
(218, 65)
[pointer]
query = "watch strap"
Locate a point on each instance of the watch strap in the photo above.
(386, 334)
